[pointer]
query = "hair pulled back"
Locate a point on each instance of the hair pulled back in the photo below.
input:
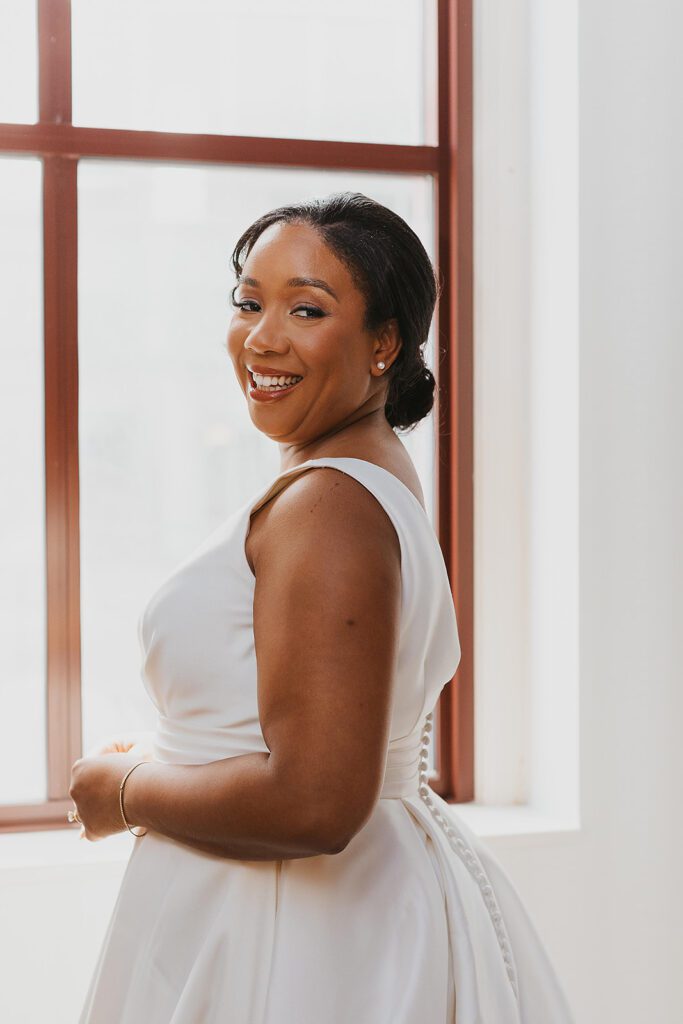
(391, 269)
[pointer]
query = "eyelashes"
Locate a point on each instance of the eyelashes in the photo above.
(314, 310)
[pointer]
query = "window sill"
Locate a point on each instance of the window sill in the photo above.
(514, 821)
(61, 847)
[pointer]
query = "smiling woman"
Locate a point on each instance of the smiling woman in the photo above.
(376, 299)
(295, 864)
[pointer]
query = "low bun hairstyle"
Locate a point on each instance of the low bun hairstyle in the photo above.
(391, 269)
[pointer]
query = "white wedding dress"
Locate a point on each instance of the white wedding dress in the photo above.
(414, 922)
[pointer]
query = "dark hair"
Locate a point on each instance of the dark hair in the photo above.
(390, 267)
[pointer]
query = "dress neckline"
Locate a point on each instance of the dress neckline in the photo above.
(366, 462)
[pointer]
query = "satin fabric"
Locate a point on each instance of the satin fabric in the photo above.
(414, 922)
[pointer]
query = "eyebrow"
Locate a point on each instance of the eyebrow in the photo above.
(296, 282)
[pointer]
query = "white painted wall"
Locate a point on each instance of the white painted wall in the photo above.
(606, 896)
(626, 881)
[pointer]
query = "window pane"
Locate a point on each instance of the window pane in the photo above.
(22, 497)
(313, 69)
(167, 448)
(18, 62)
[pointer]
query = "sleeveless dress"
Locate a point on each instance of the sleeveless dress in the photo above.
(414, 922)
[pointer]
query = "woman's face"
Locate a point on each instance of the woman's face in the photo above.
(286, 325)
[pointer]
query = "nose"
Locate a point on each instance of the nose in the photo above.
(266, 336)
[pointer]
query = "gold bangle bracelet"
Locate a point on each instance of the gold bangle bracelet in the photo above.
(123, 815)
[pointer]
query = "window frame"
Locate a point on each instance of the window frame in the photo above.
(60, 145)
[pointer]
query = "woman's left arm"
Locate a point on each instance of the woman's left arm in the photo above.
(326, 624)
(196, 804)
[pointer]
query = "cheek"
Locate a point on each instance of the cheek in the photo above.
(324, 350)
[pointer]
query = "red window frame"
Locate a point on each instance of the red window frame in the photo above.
(59, 145)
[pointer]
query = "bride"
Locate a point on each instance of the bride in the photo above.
(293, 865)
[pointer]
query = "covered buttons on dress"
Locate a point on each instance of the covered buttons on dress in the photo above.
(468, 856)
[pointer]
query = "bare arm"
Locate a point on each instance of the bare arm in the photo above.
(326, 623)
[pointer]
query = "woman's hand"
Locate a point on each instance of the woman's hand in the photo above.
(140, 743)
(95, 781)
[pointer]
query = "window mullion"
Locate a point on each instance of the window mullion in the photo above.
(454, 372)
(61, 405)
(54, 61)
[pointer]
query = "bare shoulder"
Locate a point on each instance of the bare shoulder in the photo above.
(327, 620)
(326, 508)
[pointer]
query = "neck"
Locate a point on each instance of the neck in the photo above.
(369, 428)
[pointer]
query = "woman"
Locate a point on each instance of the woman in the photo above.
(294, 866)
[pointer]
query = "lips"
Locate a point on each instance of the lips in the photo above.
(259, 395)
(271, 371)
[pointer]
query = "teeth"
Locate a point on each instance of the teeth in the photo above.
(262, 381)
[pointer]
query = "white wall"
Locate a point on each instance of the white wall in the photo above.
(629, 949)
(606, 897)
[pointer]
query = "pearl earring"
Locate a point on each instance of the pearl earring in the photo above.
(380, 366)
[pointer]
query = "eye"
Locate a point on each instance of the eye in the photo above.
(314, 311)
(309, 309)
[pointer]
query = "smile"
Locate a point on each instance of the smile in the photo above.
(265, 389)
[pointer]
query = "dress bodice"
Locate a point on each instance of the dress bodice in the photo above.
(197, 639)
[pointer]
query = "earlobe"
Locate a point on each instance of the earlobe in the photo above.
(390, 341)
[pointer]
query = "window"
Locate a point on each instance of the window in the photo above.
(129, 163)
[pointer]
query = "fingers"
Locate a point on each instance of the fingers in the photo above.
(122, 743)
(113, 746)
